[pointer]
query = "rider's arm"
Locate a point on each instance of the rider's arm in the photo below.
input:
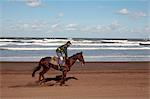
(65, 51)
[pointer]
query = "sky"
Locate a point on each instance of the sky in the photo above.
(75, 18)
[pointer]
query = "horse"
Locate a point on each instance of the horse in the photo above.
(46, 64)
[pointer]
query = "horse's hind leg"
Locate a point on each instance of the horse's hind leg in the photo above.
(41, 74)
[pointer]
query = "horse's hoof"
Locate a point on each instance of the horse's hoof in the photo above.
(63, 85)
(42, 83)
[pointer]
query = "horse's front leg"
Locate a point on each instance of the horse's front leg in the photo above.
(64, 73)
(39, 77)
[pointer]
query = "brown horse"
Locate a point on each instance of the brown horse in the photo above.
(45, 63)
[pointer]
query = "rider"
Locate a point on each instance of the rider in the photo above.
(62, 53)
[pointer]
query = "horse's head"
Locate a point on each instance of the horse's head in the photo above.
(80, 58)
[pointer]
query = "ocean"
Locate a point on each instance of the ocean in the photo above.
(101, 50)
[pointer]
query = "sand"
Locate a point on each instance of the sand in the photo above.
(94, 80)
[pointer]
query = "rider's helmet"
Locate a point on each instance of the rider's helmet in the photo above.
(68, 43)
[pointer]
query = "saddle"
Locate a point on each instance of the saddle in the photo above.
(55, 61)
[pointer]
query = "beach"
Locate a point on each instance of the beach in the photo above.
(94, 80)
(110, 36)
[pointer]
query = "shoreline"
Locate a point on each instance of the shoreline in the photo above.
(94, 80)
(88, 62)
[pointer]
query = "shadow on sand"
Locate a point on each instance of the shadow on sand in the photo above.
(58, 78)
(51, 82)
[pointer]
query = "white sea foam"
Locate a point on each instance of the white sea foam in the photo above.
(90, 47)
(115, 41)
(80, 48)
(82, 42)
(85, 56)
(73, 43)
(4, 43)
(7, 40)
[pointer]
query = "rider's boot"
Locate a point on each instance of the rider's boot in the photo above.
(61, 68)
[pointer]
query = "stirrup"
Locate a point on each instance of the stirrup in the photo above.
(59, 67)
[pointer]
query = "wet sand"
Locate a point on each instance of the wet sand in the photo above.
(94, 80)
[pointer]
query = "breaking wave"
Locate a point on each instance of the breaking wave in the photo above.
(27, 49)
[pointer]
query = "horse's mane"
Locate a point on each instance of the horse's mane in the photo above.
(75, 54)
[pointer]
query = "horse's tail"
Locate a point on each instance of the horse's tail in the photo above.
(36, 69)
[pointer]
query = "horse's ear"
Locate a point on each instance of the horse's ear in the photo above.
(81, 52)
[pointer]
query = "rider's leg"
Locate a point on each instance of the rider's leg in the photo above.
(60, 60)
(64, 60)
(59, 55)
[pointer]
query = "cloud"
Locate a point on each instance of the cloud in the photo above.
(71, 27)
(33, 26)
(44, 27)
(85, 28)
(33, 3)
(123, 11)
(58, 17)
(114, 25)
(99, 28)
(25, 25)
(54, 26)
(102, 28)
(147, 28)
(61, 14)
(107, 28)
(131, 14)
(137, 15)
